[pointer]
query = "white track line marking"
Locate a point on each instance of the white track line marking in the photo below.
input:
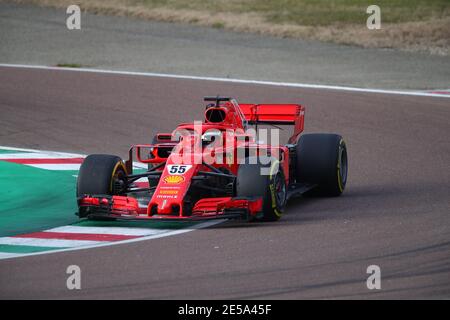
(156, 236)
(36, 155)
(59, 166)
(5, 255)
(109, 230)
(47, 152)
(38, 242)
(243, 81)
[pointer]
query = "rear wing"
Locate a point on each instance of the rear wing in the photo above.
(280, 114)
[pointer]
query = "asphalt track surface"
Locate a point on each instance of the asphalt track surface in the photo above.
(394, 212)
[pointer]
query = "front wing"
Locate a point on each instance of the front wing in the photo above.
(128, 208)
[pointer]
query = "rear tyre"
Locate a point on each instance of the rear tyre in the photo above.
(322, 160)
(271, 187)
(101, 174)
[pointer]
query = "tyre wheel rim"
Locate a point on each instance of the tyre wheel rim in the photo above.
(343, 166)
(118, 182)
(280, 189)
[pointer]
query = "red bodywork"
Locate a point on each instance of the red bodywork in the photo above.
(178, 169)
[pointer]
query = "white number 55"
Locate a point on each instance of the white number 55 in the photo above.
(178, 169)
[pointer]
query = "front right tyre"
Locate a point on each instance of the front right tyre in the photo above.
(101, 174)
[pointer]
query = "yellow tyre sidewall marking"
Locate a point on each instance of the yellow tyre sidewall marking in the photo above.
(275, 164)
(118, 164)
(341, 148)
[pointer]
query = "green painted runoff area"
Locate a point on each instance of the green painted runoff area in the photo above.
(33, 199)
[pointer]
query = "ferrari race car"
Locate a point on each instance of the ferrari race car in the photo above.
(215, 169)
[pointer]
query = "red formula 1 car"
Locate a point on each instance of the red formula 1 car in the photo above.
(216, 168)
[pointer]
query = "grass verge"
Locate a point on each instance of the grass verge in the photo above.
(414, 25)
